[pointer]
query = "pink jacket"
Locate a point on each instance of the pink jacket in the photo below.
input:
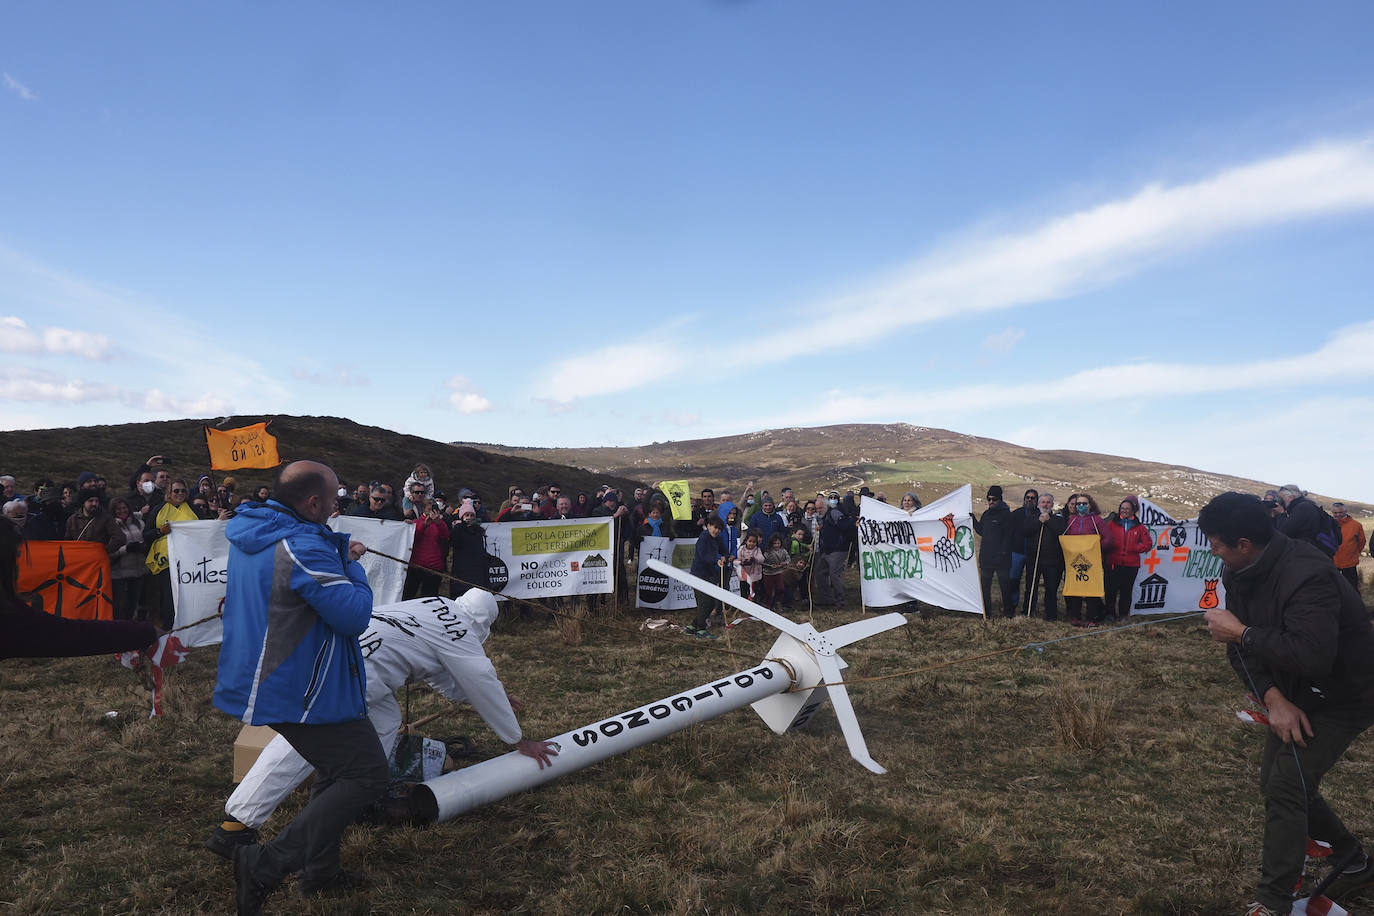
(1093, 524)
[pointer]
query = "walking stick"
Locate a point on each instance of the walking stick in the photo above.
(1035, 570)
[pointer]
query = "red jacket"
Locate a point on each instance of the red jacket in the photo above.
(1127, 546)
(431, 540)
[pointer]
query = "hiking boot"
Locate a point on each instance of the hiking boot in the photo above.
(223, 842)
(1350, 881)
(341, 882)
(249, 895)
(1259, 909)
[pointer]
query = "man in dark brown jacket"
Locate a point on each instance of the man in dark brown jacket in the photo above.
(93, 523)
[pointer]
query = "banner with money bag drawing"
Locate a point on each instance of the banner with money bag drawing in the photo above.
(1180, 573)
(926, 555)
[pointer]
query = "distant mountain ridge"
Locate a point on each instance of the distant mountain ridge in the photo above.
(896, 457)
(356, 452)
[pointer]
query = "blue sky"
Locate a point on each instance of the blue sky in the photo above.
(1144, 232)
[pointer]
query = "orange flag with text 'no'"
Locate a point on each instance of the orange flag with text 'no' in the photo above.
(245, 447)
(67, 578)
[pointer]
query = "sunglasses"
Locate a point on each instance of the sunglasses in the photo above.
(378, 499)
(176, 490)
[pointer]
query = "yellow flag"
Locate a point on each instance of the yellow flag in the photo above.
(1082, 566)
(245, 447)
(679, 493)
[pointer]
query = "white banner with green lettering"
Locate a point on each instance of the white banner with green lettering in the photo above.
(925, 555)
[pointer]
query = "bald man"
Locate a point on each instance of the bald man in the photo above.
(295, 604)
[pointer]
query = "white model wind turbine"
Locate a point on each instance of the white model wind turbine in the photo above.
(783, 689)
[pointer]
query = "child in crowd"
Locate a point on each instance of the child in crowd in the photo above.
(708, 559)
(775, 562)
(750, 566)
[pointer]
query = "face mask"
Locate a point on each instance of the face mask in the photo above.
(749, 501)
(832, 503)
(441, 504)
(342, 493)
(1083, 509)
(147, 487)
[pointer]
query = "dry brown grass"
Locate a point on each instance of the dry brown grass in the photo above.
(1001, 799)
(1082, 721)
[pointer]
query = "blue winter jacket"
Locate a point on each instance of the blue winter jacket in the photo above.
(294, 607)
(767, 524)
(704, 557)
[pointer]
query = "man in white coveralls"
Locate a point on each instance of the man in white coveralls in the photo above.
(435, 640)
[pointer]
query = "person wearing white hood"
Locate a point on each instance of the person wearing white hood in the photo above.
(435, 640)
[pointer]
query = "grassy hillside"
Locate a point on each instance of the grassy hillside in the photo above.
(897, 457)
(1106, 775)
(356, 452)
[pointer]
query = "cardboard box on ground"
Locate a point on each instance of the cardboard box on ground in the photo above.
(247, 746)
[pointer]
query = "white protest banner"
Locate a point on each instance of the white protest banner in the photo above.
(387, 577)
(656, 590)
(926, 555)
(198, 557)
(545, 559)
(1180, 573)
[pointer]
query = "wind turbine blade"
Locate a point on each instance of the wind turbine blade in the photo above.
(845, 634)
(777, 621)
(844, 712)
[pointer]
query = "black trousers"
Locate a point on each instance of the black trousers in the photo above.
(1048, 577)
(1291, 814)
(350, 774)
(1120, 584)
(1003, 574)
(420, 583)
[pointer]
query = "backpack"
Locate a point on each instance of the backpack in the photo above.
(1328, 536)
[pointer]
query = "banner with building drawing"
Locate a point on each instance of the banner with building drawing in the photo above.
(1180, 573)
(925, 556)
(656, 591)
(548, 559)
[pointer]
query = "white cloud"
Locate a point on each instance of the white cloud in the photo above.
(341, 375)
(1348, 348)
(619, 367)
(1001, 343)
(13, 85)
(42, 386)
(1065, 255)
(17, 337)
(464, 398)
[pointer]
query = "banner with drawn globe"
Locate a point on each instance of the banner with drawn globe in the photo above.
(926, 555)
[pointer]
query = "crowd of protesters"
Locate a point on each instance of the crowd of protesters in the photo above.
(781, 549)
(1020, 548)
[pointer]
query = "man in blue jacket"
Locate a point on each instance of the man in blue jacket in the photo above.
(295, 603)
